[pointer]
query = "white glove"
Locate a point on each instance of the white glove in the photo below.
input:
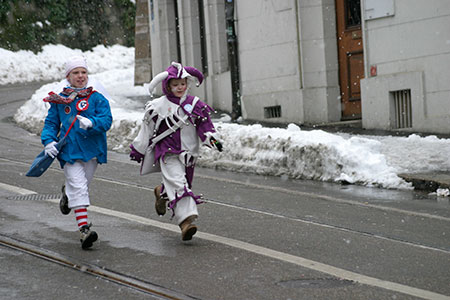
(51, 150)
(85, 123)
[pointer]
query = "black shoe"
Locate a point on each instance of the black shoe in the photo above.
(87, 237)
(64, 202)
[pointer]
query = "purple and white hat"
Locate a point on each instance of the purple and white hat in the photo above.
(175, 71)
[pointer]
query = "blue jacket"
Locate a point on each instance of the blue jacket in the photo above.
(81, 144)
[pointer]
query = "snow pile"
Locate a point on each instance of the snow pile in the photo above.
(25, 66)
(442, 192)
(315, 155)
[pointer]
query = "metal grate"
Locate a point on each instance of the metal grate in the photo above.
(403, 110)
(272, 112)
(33, 197)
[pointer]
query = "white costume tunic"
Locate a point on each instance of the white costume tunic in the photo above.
(173, 133)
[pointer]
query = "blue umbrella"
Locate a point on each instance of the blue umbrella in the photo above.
(43, 161)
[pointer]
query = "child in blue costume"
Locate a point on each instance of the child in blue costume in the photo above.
(86, 114)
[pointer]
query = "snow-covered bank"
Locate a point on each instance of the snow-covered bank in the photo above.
(25, 66)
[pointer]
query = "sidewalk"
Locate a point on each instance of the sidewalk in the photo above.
(428, 181)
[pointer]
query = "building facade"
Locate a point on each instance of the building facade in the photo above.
(383, 62)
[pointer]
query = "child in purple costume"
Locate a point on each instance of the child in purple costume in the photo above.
(173, 129)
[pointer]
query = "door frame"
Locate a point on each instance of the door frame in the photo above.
(354, 38)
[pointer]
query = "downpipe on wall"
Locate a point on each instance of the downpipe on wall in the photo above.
(233, 61)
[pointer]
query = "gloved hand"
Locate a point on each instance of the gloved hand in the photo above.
(85, 123)
(51, 150)
(216, 144)
(135, 155)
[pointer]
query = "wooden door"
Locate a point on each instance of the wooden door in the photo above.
(350, 54)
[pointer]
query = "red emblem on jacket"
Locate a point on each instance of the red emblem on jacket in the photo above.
(82, 105)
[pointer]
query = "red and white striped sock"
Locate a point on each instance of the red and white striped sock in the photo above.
(81, 215)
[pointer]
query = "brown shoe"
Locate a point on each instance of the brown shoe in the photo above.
(160, 202)
(187, 228)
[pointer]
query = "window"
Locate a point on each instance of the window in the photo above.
(402, 108)
(352, 13)
(272, 112)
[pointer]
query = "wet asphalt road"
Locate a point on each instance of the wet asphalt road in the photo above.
(259, 237)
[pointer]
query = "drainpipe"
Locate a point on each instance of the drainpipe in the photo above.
(233, 61)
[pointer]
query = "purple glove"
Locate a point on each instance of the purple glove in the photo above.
(135, 155)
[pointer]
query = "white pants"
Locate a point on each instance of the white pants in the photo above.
(78, 178)
(174, 180)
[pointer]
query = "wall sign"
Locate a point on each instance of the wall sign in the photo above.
(374, 9)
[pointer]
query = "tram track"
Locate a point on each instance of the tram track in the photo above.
(156, 291)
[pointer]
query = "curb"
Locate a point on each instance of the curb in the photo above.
(429, 182)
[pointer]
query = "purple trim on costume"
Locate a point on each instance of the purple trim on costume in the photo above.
(199, 117)
(194, 72)
(136, 155)
(172, 98)
(189, 175)
(170, 144)
(186, 193)
(203, 123)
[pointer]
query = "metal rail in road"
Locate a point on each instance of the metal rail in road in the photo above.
(125, 280)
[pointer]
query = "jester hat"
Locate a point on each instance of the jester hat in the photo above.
(175, 71)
